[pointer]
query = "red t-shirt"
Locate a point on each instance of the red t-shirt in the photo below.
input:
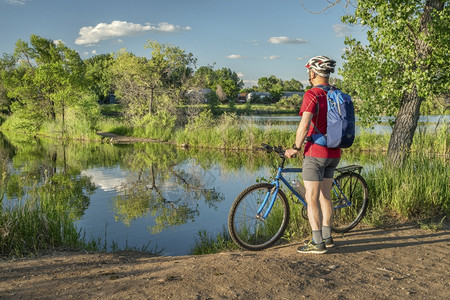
(319, 120)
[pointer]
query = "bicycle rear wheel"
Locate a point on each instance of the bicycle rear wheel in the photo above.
(247, 228)
(350, 198)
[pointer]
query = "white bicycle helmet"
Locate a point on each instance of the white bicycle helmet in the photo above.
(321, 65)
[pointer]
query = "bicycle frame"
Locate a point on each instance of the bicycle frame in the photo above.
(277, 185)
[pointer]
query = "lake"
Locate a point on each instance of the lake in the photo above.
(142, 195)
(290, 122)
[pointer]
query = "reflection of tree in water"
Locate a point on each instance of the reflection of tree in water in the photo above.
(168, 194)
(43, 173)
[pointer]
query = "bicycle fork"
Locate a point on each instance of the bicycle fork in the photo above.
(274, 192)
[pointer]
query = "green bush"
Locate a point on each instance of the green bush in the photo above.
(290, 103)
(81, 120)
(160, 126)
(24, 118)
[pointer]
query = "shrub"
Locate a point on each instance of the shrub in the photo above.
(159, 126)
(290, 103)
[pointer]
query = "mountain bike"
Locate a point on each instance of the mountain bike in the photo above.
(260, 214)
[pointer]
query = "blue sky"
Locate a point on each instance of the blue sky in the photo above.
(254, 38)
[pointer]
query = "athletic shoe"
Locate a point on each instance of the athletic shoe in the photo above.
(329, 242)
(312, 247)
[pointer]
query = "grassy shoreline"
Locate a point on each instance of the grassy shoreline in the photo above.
(418, 191)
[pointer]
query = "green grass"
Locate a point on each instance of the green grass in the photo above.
(207, 244)
(431, 224)
(419, 189)
(32, 227)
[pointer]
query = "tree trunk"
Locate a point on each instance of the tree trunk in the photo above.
(404, 128)
(63, 118)
(52, 111)
(408, 115)
(150, 102)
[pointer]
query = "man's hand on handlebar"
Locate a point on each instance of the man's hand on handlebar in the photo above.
(290, 153)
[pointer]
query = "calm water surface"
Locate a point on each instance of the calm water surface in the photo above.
(290, 122)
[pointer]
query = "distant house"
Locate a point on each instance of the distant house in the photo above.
(257, 96)
(242, 97)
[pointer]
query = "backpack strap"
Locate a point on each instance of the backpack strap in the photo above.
(319, 138)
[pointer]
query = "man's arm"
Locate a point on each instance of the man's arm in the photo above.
(302, 131)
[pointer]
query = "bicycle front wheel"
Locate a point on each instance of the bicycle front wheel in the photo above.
(350, 198)
(248, 228)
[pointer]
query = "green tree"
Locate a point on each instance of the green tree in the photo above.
(293, 85)
(132, 81)
(229, 82)
(138, 79)
(98, 74)
(404, 63)
(170, 68)
(7, 68)
(273, 85)
(48, 78)
(225, 82)
(203, 77)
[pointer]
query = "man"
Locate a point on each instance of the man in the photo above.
(319, 163)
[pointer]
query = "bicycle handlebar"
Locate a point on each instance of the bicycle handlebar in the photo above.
(270, 149)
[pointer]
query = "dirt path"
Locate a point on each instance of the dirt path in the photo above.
(397, 263)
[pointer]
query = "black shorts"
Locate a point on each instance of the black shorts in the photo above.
(316, 169)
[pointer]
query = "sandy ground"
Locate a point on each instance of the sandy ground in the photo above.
(402, 262)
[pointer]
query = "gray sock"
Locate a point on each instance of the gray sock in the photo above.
(317, 236)
(326, 232)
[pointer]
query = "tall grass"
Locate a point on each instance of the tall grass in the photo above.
(31, 226)
(115, 126)
(418, 189)
(228, 132)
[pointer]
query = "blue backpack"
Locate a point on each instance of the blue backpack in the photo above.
(340, 120)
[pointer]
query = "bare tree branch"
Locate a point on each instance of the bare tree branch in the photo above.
(330, 5)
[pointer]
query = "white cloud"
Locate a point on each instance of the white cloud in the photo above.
(286, 40)
(17, 2)
(272, 57)
(239, 74)
(341, 30)
(235, 56)
(94, 52)
(253, 42)
(90, 35)
(303, 57)
(107, 180)
(250, 83)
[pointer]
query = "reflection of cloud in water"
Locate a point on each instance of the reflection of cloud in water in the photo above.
(107, 179)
